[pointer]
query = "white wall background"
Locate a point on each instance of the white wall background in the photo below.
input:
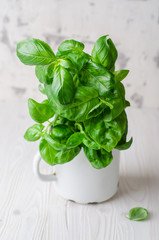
(133, 25)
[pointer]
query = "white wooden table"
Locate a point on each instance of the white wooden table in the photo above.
(30, 209)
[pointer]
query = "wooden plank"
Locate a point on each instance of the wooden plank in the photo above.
(30, 209)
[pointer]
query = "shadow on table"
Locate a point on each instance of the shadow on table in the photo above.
(135, 187)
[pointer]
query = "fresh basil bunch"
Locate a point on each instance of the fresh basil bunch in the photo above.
(85, 105)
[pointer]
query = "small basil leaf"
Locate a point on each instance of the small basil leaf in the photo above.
(42, 89)
(43, 74)
(138, 214)
(47, 152)
(61, 131)
(53, 143)
(74, 140)
(34, 52)
(67, 155)
(104, 52)
(40, 112)
(63, 85)
(127, 103)
(125, 145)
(98, 158)
(34, 132)
(121, 74)
(68, 46)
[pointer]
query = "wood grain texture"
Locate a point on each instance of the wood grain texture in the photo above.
(31, 210)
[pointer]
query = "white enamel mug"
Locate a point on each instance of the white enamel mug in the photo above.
(78, 181)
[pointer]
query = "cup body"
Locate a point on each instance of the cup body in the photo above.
(77, 180)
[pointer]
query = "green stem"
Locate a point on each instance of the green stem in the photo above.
(55, 119)
(106, 103)
(82, 131)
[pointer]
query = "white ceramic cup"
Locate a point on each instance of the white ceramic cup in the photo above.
(77, 180)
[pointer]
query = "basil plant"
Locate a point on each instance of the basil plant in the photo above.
(85, 101)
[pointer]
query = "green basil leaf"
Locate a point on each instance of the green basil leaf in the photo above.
(84, 100)
(63, 86)
(104, 52)
(100, 79)
(112, 70)
(98, 158)
(91, 144)
(106, 134)
(87, 141)
(118, 104)
(33, 133)
(138, 214)
(40, 72)
(127, 103)
(61, 131)
(121, 74)
(96, 110)
(40, 112)
(53, 157)
(74, 140)
(47, 152)
(34, 52)
(53, 143)
(61, 62)
(124, 145)
(67, 155)
(43, 74)
(79, 59)
(68, 46)
(42, 89)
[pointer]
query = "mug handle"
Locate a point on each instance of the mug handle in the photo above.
(36, 170)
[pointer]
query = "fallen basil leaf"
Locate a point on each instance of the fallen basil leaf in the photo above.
(137, 214)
